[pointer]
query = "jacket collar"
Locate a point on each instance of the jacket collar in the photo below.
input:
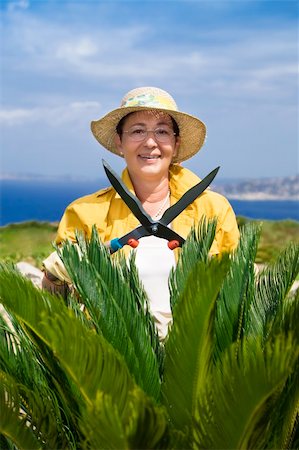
(180, 180)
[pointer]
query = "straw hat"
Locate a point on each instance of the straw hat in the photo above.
(192, 130)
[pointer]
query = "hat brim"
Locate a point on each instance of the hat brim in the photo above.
(192, 130)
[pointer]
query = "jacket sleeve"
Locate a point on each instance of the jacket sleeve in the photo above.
(227, 233)
(80, 215)
(69, 223)
(66, 230)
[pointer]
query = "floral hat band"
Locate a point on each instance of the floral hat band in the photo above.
(192, 130)
(150, 100)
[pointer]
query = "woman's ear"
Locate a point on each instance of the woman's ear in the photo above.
(118, 144)
(176, 146)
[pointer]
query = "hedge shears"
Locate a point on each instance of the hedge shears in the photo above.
(149, 226)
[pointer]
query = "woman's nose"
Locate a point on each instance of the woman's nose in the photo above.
(150, 141)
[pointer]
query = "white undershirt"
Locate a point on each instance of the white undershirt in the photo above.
(154, 261)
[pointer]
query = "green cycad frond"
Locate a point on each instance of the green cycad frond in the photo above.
(39, 409)
(285, 405)
(102, 425)
(144, 424)
(12, 426)
(234, 409)
(237, 291)
(15, 346)
(89, 361)
(20, 363)
(273, 285)
(136, 287)
(287, 317)
(112, 411)
(190, 344)
(95, 295)
(196, 248)
(110, 301)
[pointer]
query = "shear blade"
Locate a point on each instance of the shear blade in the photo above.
(130, 200)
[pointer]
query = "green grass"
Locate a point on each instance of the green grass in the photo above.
(27, 241)
(32, 241)
(275, 236)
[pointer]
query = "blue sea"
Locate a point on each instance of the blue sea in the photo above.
(45, 201)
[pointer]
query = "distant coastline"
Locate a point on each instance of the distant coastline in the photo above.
(284, 188)
(262, 196)
(45, 200)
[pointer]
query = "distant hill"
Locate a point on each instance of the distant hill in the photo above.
(280, 188)
(285, 188)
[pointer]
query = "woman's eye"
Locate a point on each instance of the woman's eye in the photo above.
(137, 131)
(162, 132)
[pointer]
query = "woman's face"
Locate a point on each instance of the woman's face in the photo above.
(149, 157)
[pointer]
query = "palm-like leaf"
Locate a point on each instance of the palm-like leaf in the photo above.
(12, 426)
(144, 424)
(88, 361)
(100, 367)
(75, 380)
(286, 321)
(109, 300)
(20, 364)
(91, 365)
(187, 366)
(242, 390)
(237, 292)
(196, 248)
(272, 287)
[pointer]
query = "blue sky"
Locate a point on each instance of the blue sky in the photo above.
(234, 64)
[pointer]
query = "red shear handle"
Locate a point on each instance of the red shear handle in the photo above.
(133, 243)
(173, 244)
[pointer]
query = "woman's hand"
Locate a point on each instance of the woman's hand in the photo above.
(53, 285)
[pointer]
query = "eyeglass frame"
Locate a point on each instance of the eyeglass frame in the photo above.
(172, 133)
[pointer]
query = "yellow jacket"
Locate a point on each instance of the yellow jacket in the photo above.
(113, 218)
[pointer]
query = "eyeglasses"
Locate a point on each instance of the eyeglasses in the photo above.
(139, 134)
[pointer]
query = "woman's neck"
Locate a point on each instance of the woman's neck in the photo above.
(151, 191)
(152, 194)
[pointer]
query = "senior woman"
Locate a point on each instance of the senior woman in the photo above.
(153, 136)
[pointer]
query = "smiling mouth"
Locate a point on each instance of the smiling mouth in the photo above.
(149, 156)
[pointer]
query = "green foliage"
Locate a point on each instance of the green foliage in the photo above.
(226, 377)
(275, 236)
(31, 241)
(194, 311)
(27, 241)
(243, 389)
(106, 290)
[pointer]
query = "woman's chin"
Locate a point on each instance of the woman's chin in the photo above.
(153, 166)
(149, 161)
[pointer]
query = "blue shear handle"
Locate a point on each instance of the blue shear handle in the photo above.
(115, 245)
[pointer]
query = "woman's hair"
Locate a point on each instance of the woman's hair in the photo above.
(120, 125)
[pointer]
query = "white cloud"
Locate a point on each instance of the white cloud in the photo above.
(214, 72)
(15, 116)
(53, 116)
(234, 58)
(17, 4)
(76, 50)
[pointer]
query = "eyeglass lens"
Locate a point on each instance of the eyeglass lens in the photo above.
(161, 134)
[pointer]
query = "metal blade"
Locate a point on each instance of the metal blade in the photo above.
(189, 196)
(130, 200)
